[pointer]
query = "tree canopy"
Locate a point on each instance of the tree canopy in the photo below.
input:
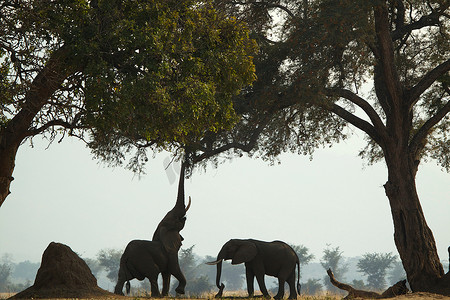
(322, 72)
(326, 67)
(117, 74)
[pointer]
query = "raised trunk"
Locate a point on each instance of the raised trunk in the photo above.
(413, 238)
(175, 219)
(180, 196)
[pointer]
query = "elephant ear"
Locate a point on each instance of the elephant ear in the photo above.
(246, 252)
(171, 239)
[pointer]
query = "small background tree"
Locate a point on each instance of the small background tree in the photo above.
(109, 259)
(303, 254)
(5, 272)
(332, 259)
(94, 265)
(311, 287)
(375, 266)
(359, 284)
(197, 282)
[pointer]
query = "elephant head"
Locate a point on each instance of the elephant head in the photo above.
(239, 251)
(168, 230)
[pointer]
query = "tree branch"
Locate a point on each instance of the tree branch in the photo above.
(397, 289)
(46, 82)
(419, 140)
(414, 93)
(400, 15)
(428, 20)
(364, 105)
(356, 121)
(386, 56)
(62, 123)
(268, 5)
(247, 147)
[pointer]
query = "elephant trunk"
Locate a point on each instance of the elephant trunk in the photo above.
(180, 197)
(219, 285)
(218, 262)
(219, 273)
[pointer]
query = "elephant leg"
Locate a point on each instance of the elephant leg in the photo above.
(262, 284)
(181, 282)
(166, 283)
(291, 281)
(280, 293)
(119, 287)
(154, 285)
(250, 277)
(120, 281)
(174, 269)
(149, 269)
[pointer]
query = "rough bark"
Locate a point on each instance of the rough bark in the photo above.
(413, 238)
(397, 289)
(7, 164)
(46, 82)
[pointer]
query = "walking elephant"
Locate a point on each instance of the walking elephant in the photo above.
(272, 258)
(147, 259)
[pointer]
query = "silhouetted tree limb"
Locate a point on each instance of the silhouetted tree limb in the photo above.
(397, 289)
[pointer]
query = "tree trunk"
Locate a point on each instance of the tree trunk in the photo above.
(11, 136)
(46, 82)
(413, 238)
(7, 163)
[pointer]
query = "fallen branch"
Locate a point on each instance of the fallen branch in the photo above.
(397, 289)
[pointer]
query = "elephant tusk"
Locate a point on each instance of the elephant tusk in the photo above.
(189, 204)
(211, 263)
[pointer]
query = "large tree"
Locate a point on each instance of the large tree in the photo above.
(379, 66)
(155, 71)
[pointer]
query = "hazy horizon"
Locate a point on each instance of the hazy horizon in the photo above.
(61, 194)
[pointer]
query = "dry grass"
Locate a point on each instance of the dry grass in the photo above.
(412, 296)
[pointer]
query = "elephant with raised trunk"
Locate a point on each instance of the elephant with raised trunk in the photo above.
(147, 259)
(275, 258)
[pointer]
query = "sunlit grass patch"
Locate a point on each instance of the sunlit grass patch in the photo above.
(6, 295)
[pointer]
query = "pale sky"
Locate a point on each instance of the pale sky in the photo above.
(61, 194)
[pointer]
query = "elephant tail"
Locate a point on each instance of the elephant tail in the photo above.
(299, 286)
